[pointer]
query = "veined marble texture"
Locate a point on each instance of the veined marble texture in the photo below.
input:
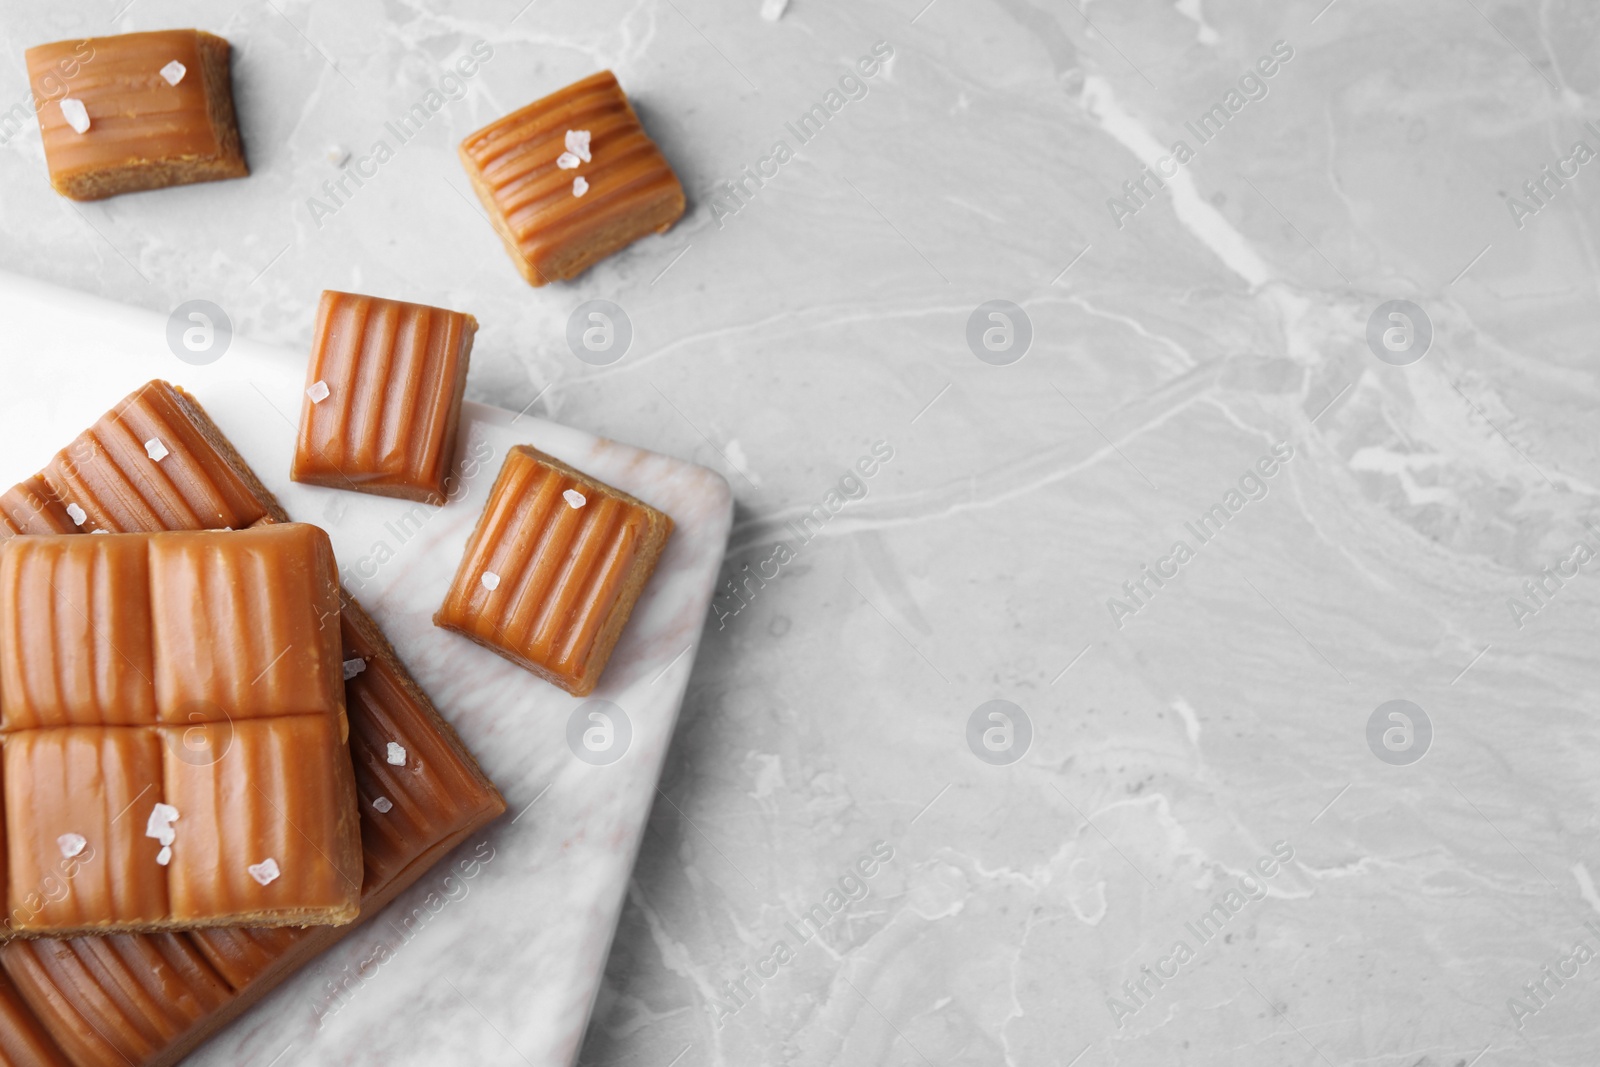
(1190, 720)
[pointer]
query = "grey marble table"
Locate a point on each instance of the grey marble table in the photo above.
(1197, 379)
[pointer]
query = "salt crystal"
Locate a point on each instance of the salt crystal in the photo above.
(159, 826)
(99, 531)
(397, 755)
(77, 514)
(71, 844)
(266, 872)
(155, 449)
(490, 580)
(578, 144)
(338, 155)
(75, 113)
(383, 805)
(174, 72)
(353, 667)
(568, 161)
(574, 498)
(579, 186)
(772, 10)
(318, 392)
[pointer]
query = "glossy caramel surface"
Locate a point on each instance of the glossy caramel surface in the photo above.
(547, 584)
(551, 233)
(394, 374)
(144, 132)
(197, 669)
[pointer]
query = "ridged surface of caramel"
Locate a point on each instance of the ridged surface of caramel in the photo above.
(77, 650)
(100, 783)
(551, 233)
(112, 1001)
(144, 132)
(561, 575)
(232, 640)
(245, 623)
(24, 1042)
(276, 792)
(394, 373)
(80, 1008)
(108, 473)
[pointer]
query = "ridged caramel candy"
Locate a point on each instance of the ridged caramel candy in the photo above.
(82, 1001)
(196, 669)
(144, 131)
(383, 396)
(553, 568)
(555, 226)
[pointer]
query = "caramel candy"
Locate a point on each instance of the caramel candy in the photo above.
(137, 111)
(383, 396)
(553, 568)
(196, 671)
(572, 178)
(148, 1000)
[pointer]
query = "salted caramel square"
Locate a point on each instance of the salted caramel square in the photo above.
(76, 802)
(269, 827)
(245, 624)
(571, 179)
(135, 111)
(553, 569)
(383, 397)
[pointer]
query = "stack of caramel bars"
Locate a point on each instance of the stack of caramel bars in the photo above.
(212, 763)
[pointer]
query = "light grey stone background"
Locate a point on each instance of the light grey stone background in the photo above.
(1174, 738)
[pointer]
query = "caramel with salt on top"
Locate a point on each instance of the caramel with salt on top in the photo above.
(553, 569)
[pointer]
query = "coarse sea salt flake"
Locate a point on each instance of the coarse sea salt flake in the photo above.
(353, 667)
(71, 845)
(579, 186)
(578, 144)
(75, 113)
(396, 754)
(568, 161)
(490, 580)
(772, 10)
(318, 392)
(574, 498)
(266, 872)
(77, 514)
(383, 805)
(159, 825)
(155, 449)
(174, 72)
(164, 857)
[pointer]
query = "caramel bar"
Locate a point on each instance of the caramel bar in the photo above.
(147, 1000)
(553, 568)
(383, 396)
(572, 178)
(137, 111)
(173, 723)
